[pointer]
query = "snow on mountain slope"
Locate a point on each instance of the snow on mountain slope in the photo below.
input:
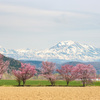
(73, 51)
(65, 50)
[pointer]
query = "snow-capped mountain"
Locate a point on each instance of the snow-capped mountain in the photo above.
(65, 50)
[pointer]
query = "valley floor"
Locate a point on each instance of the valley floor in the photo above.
(49, 93)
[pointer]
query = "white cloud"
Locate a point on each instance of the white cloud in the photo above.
(33, 11)
(25, 18)
(49, 26)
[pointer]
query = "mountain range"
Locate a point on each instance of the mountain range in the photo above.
(64, 51)
(38, 64)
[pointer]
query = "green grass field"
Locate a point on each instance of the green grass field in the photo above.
(44, 83)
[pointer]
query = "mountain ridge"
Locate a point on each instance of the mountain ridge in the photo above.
(62, 51)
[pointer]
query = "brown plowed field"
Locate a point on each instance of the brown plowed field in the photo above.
(49, 93)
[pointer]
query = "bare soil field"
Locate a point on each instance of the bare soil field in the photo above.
(49, 93)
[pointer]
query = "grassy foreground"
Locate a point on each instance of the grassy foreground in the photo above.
(44, 83)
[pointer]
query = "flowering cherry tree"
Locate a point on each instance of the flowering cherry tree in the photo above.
(25, 72)
(47, 71)
(67, 72)
(17, 74)
(3, 66)
(85, 72)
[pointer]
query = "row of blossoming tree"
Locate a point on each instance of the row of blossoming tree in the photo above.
(86, 73)
(69, 73)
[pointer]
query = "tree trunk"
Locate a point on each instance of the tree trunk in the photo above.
(67, 83)
(23, 82)
(83, 83)
(19, 83)
(51, 83)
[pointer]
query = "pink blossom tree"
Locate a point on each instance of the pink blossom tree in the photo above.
(47, 71)
(18, 75)
(85, 72)
(3, 66)
(25, 72)
(67, 72)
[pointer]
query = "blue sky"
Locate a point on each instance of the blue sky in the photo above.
(39, 24)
